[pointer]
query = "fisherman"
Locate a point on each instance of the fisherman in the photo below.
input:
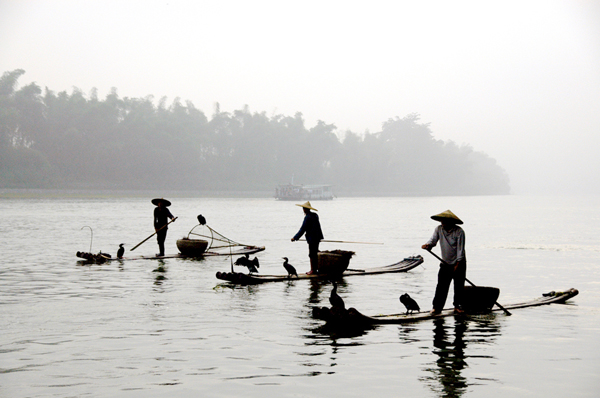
(312, 227)
(161, 213)
(454, 267)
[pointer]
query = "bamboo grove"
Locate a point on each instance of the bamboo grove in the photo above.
(78, 141)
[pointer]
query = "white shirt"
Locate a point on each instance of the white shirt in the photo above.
(452, 243)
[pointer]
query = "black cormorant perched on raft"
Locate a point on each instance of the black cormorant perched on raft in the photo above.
(289, 268)
(121, 251)
(410, 304)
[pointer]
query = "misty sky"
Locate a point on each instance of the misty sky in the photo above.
(518, 80)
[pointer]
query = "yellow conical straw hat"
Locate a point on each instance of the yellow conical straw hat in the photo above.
(307, 206)
(447, 216)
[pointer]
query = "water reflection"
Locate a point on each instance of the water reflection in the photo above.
(450, 346)
(451, 358)
(334, 332)
(315, 290)
(160, 272)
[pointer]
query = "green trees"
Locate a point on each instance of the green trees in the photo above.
(70, 140)
(21, 123)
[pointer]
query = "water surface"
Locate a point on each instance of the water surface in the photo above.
(170, 328)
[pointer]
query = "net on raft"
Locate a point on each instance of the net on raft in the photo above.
(217, 242)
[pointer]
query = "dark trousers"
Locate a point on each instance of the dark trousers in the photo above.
(313, 250)
(160, 237)
(447, 274)
(313, 254)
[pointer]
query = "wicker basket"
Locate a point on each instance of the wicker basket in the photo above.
(334, 262)
(192, 247)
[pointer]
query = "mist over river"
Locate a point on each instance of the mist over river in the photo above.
(157, 328)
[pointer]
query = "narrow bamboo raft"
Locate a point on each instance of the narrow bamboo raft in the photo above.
(352, 317)
(100, 258)
(251, 279)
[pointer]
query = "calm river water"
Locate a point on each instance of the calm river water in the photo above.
(156, 328)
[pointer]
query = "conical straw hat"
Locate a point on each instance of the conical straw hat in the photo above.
(307, 206)
(447, 216)
(166, 203)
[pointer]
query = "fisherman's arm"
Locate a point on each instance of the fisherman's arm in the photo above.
(432, 241)
(301, 231)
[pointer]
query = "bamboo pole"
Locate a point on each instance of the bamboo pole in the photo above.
(164, 226)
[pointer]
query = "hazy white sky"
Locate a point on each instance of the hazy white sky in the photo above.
(518, 80)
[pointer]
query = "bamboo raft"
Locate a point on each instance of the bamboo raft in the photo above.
(101, 258)
(251, 279)
(353, 318)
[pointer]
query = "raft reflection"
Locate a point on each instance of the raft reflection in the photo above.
(450, 346)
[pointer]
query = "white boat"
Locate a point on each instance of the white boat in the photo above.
(303, 192)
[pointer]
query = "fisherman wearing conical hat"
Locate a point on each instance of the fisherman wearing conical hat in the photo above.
(312, 227)
(161, 213)
(452, 244)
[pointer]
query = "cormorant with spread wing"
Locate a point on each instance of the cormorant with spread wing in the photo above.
(245, 261)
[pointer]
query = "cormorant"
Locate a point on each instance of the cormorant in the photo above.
(335, 300)
(121, 251)
(252, 265)
(289, 268)
(201, 219)
(410, 304)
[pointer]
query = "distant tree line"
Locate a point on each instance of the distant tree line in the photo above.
(62, 140)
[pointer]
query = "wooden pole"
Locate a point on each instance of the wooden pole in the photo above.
(345, 241)
(135, 247)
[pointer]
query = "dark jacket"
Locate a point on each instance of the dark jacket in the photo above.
(161, 216)
(312, 227)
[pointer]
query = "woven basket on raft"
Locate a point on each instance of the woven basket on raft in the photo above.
(192, 247)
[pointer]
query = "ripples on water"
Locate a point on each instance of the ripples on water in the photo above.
(169, 327)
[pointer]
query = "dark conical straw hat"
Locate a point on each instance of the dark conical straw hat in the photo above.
(156, 201)
(447, 216)
(307, 206)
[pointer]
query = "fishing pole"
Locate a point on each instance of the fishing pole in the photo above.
(345, 241)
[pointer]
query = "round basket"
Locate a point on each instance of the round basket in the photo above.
(192, 247)
(334, 262)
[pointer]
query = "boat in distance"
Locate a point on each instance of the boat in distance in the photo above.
(303, 192)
